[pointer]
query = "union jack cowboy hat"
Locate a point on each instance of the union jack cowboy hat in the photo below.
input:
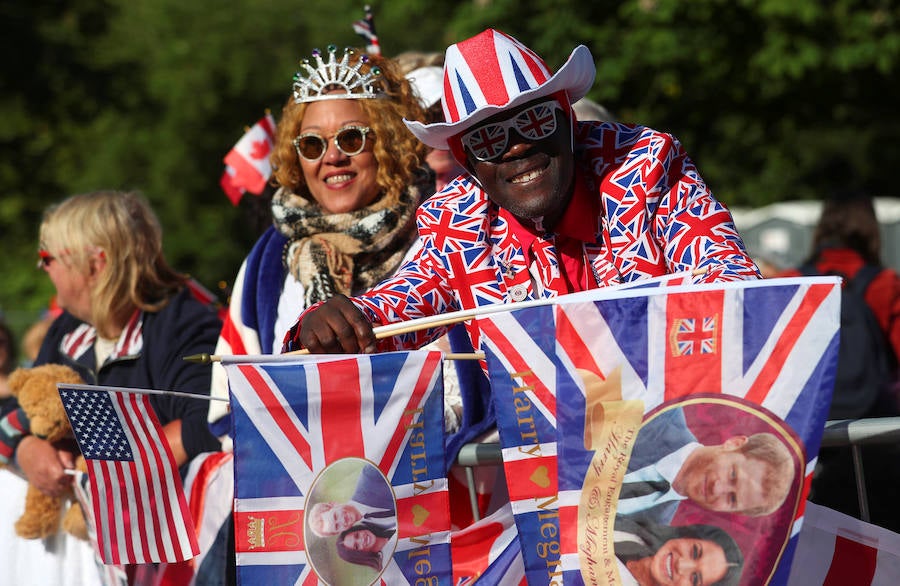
(492, 72)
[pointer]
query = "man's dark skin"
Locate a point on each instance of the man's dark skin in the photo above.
(532, 180)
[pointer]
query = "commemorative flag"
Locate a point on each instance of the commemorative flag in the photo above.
(339, 469)
(715, 370)
(644, 380)
(522, 368)
(138, 505)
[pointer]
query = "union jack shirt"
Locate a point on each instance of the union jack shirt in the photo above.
(657, 216)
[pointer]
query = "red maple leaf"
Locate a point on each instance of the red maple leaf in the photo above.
(260, 149)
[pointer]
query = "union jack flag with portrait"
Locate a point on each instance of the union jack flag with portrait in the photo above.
(364, 431)
(522, 368)
(762, 364)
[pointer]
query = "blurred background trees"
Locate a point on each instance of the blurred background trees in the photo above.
(766, 95)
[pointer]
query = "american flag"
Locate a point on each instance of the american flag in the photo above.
(139, 508)
(109, 574)
(773, 351)
(297, 419)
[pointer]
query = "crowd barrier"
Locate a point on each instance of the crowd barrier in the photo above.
(853, 433)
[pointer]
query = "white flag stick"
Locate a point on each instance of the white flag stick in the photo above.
(101, 388)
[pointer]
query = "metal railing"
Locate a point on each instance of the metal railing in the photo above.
(855, 433)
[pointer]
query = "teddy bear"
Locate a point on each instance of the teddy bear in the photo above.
(35, 389)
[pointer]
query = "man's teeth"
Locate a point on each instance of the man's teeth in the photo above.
(338, 178)
(525, 177)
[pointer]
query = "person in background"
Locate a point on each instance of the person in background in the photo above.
(847, 239)
(847, 242)
(129, 320)
(588, 109)
(424, 71)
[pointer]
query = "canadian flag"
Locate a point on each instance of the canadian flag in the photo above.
(247, 163)
(835, 548)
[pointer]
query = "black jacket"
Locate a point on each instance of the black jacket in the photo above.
(183, 327)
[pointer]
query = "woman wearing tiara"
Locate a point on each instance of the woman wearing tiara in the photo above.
(348, 177)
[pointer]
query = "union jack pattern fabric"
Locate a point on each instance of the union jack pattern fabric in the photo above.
(690, 338)
(487, 553)
(139, 508)
(487, 70)
(774, 357)
(659, 217)
(298, 420)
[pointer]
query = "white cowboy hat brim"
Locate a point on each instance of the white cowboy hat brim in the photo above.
(576, 77)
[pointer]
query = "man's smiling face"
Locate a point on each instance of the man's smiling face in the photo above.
(530, 177)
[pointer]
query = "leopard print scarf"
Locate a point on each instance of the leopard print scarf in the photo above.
(344, 253)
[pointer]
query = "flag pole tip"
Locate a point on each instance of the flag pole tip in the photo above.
(201, 358)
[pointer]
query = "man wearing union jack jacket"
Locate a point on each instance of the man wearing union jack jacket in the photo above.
(551, 205)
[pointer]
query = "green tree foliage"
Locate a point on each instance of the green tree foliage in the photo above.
(766, 95)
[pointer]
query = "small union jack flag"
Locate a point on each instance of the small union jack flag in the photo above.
(688, 339)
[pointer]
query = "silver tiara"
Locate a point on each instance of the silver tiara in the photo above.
(334, 75)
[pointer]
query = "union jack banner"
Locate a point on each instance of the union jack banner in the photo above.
(760, 372)
(138, 505)
(360, 435)
(522, 368)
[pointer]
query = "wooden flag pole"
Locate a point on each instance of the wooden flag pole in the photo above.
(448, 319)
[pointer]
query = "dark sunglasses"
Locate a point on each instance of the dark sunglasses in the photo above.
(488, 141)
(44, 259)
(350, 140)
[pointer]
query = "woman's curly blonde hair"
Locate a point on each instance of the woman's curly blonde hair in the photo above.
(398, 153)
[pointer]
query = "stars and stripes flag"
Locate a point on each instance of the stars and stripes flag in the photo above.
(138, 503)
(764, 350)
(247, 165)
(299, 424)
(109, 574)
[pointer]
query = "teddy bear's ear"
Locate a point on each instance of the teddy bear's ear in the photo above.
(17, 380)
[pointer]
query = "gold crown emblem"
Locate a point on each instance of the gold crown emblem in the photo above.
(332, 75)
(256, 533)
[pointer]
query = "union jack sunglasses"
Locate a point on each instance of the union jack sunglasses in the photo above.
(488, 141)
